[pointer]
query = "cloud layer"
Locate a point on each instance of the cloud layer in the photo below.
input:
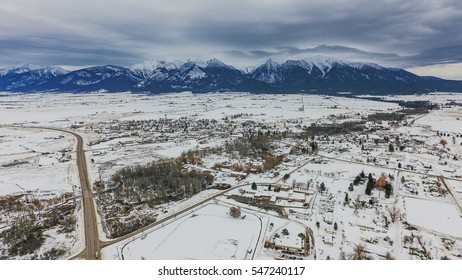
(241, 32)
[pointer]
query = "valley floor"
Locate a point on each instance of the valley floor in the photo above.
(312, 176)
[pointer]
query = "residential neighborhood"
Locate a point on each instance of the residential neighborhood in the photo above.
(245, 176)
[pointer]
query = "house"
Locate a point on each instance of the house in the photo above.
(328, 240)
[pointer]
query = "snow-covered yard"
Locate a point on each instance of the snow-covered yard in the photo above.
(440, 217)
(206, 233)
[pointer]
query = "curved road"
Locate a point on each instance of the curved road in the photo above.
(92, 242)
(93, 245)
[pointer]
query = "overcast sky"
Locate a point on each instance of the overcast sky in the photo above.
(421, 35)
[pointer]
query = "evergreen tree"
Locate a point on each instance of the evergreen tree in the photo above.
(370, 185)
(335, 226)
(388, 190)
(350, 188)
(391, 148)
(254, 186)
(368, 190)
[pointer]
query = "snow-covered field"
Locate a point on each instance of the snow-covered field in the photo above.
(39, 165)
(42, 162)
(206, 233)
(35, 160)
(67, 109)
(440, 217)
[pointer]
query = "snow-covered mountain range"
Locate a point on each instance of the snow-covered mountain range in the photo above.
(315, 75)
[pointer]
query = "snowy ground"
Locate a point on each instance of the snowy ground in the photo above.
(43, 163)
(67, 109)
(445, 220)
(33, 160)
(197, 236)
(40, 166)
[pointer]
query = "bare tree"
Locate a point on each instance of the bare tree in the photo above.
(394, 213)
(443, 142)
(360, 253)
(389, 256)
(235, 212)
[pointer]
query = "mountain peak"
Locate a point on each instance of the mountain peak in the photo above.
(19, 69)
(153, 64)
(271, 63)
(323, 62)
(315, 74)
(215, 62)
(54, 70)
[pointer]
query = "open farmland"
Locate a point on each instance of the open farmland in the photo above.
(313, 176)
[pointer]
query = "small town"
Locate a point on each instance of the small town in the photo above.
(325, 178)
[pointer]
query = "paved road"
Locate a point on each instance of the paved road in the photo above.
(172, 216)
(92, 243)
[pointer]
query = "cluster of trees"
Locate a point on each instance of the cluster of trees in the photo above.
(381, 185)
(28, 221)
(378, 117)
(161, 182)
(332, 129)
(271, 161)
(418, 104)
(23, 237)
(195, 156)
(151, 185)
(258, 145)
(118, 227)
(62, 216)
(360, 177)
(410, 108)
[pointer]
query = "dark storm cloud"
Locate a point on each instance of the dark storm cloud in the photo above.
(442, 55)
(87, 32)
(285, 51)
